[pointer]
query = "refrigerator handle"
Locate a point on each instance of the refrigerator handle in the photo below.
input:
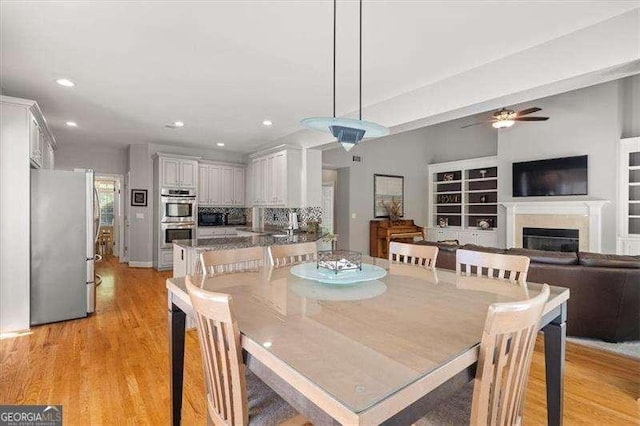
(95, 194)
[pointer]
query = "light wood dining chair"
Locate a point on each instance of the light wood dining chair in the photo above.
(235, 396)
(235, 260)
(290, 254)
(501, 266)
(413, 254)
(496, 395)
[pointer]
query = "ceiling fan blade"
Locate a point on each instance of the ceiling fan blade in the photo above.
(531, 118)
(528, 111)
(475, 124)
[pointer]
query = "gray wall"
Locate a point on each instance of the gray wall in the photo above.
(630, 106)
(140, 229)
(405, 154)
(586, 121)
(102, 159)
(341, 219)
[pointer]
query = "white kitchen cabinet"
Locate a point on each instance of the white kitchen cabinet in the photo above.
(178, 173)
(629, 246)
(21, 126)
(188, 174)
(48, 159)
(277, 179)
(239, 183)
(209, 185)
(478, 237)
(165, 260)
(36, 142)
(225, 185)
(203, 185)
(442, 234)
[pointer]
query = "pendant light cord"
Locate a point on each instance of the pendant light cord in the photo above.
(359, 65)
(360, 75)
(334, 58)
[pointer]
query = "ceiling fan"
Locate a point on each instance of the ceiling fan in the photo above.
(507, 117)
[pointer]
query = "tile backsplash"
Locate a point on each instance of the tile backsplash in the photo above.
(280, 217)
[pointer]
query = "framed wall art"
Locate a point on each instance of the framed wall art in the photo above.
(387, 189)
(139, 197)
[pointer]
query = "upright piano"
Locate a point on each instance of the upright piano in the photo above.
(382, 232)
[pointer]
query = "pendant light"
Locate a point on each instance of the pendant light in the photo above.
(347, 131)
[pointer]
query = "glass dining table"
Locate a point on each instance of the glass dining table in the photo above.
(377, 352)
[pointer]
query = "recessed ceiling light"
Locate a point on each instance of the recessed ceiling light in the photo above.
(65, 82)
(267, 123)
(72, 124)
(178, 123)
(220, 144)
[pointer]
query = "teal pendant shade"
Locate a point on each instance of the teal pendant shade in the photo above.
(347, 131)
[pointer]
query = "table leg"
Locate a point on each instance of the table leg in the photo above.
(177, 319)
(555, 334)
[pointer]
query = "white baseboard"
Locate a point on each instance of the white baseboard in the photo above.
(133, 264)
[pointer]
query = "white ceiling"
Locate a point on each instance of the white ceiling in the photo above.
(223, 67)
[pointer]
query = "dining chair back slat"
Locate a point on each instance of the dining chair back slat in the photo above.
(504, 361)
(230, 261)
(500, 266)
(291, 254)
(220, 347)
(413, 254)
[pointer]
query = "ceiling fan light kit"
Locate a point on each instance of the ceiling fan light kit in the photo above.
(502, 124)
(347, 131)
(506, 118)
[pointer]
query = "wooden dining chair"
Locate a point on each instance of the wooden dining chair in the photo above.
(290, 254)
(496, 395)
(235, 260)
(413, 254)
(235, 396)
(501, 266)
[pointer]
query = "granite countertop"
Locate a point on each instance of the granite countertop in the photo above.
(231, 242)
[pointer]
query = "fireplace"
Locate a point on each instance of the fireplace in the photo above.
(551, 239)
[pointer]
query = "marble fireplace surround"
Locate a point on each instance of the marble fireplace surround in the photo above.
(584, 215)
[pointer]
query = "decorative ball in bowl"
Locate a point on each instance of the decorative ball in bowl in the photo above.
(339, 260)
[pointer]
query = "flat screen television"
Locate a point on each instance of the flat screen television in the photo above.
(552, 177)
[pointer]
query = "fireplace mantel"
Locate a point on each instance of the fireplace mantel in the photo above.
(589, 207)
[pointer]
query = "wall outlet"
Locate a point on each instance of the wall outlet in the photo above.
(139, 215)
(353, 215)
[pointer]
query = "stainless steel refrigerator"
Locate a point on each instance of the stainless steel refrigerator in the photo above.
(65, 217)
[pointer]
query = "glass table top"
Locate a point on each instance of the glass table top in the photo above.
(365, 342)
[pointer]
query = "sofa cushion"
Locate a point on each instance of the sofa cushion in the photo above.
(609, 260)
(548, 257)
(441, 246)
(483, 249)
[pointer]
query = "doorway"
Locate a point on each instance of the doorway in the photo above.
(111, 232)
(328, 206)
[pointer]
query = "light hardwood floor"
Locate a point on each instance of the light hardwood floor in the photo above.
(113, 367)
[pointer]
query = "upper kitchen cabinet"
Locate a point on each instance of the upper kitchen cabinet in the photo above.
(177, 172)
(221, 185)
(41, 142)
(277, 177)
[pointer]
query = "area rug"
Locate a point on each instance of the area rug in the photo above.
(631, 349)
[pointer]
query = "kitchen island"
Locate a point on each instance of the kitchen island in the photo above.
(186, 253)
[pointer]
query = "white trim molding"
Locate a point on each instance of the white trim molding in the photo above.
(591, 208)
(134, 264)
